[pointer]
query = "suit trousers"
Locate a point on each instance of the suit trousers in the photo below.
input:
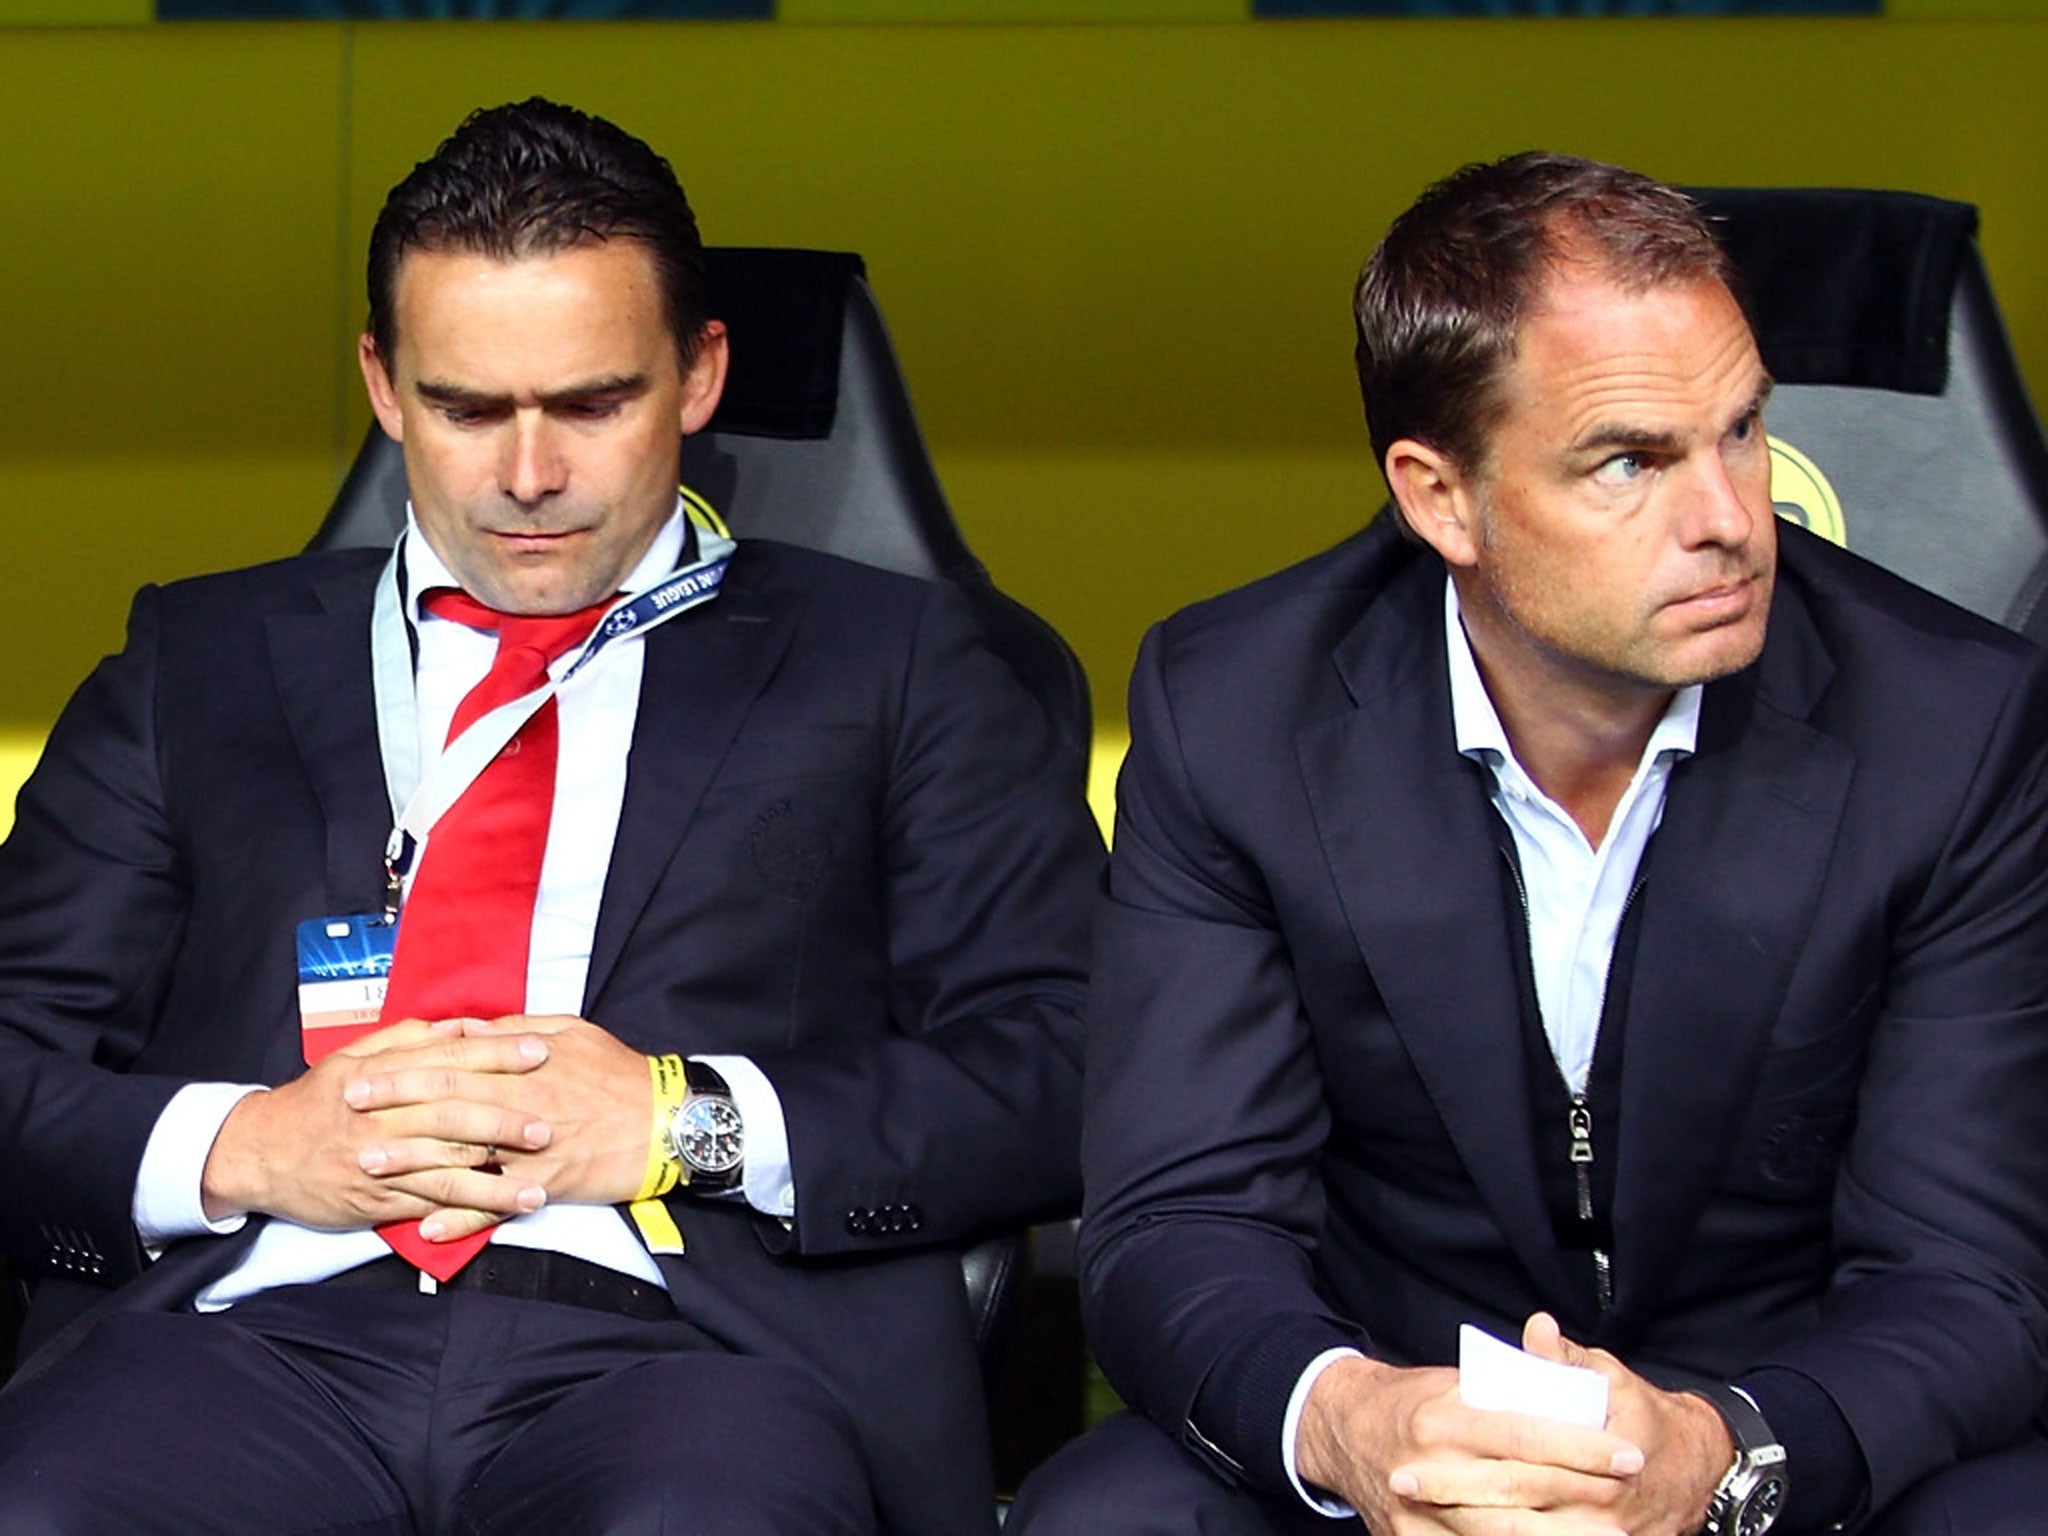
(1127, 1478)
(350, 1412)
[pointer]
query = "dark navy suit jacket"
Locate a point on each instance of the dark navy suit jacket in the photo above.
(849, 849)
(1308, 1114)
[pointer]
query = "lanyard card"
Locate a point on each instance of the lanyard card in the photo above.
(344, 968)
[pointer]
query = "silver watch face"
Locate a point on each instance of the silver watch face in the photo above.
(706, 1133)
(1761, 1509)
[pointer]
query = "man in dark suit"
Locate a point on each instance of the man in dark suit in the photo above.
(806, 831)
(1580, 907)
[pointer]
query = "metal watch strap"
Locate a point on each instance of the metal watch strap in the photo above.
(1751, 1495)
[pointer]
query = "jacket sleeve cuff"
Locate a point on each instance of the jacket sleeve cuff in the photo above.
(1323, 1504)
(1830, 1482)
(1237, 1423)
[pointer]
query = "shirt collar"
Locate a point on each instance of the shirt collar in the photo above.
(424, 569)
(1476, 723)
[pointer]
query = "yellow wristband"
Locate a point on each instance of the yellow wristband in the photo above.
(671, 1087)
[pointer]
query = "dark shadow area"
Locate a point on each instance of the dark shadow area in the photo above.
(1038, 1398)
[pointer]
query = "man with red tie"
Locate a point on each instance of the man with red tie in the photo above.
(508, 1033)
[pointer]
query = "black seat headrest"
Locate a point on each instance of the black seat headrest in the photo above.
(783, 309)
(1847, 287)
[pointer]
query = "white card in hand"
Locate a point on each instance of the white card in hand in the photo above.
(1505, 1379)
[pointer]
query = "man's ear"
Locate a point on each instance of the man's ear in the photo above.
(1438, 499)
(704, 383)
(383, 393)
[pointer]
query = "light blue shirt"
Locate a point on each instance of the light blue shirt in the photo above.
(1577, 895)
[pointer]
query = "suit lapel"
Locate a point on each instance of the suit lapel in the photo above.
(702, 673)
(1407, 828)
(321, 661)
(322, 664)
(1732, 882)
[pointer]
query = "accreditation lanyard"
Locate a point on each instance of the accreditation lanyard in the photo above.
(420, 797)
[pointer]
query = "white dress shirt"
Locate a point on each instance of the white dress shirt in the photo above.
(1577, 894)
(597, 713)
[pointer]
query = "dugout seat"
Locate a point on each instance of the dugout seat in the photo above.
(1900, 426)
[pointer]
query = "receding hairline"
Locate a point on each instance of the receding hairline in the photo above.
(1574, 248)
(1628, 256)
(1618, 433)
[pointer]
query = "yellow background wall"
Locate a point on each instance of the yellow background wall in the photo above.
(1117, 259)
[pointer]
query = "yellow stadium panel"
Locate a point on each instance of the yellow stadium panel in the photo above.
(1104, 763)
(19, 750)
(75, 13)
(1967, 10)
(172, 333)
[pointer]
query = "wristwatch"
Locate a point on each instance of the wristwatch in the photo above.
(705, 1134)
(1752, 1494)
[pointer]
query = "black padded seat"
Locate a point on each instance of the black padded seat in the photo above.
(1900, 424)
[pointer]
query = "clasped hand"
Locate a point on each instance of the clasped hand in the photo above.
(459, 1123)
(1402, 1449)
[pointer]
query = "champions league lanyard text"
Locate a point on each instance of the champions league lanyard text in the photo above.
(419, 799)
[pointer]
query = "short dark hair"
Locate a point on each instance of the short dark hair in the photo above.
(535, 178)
(1442, 298)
